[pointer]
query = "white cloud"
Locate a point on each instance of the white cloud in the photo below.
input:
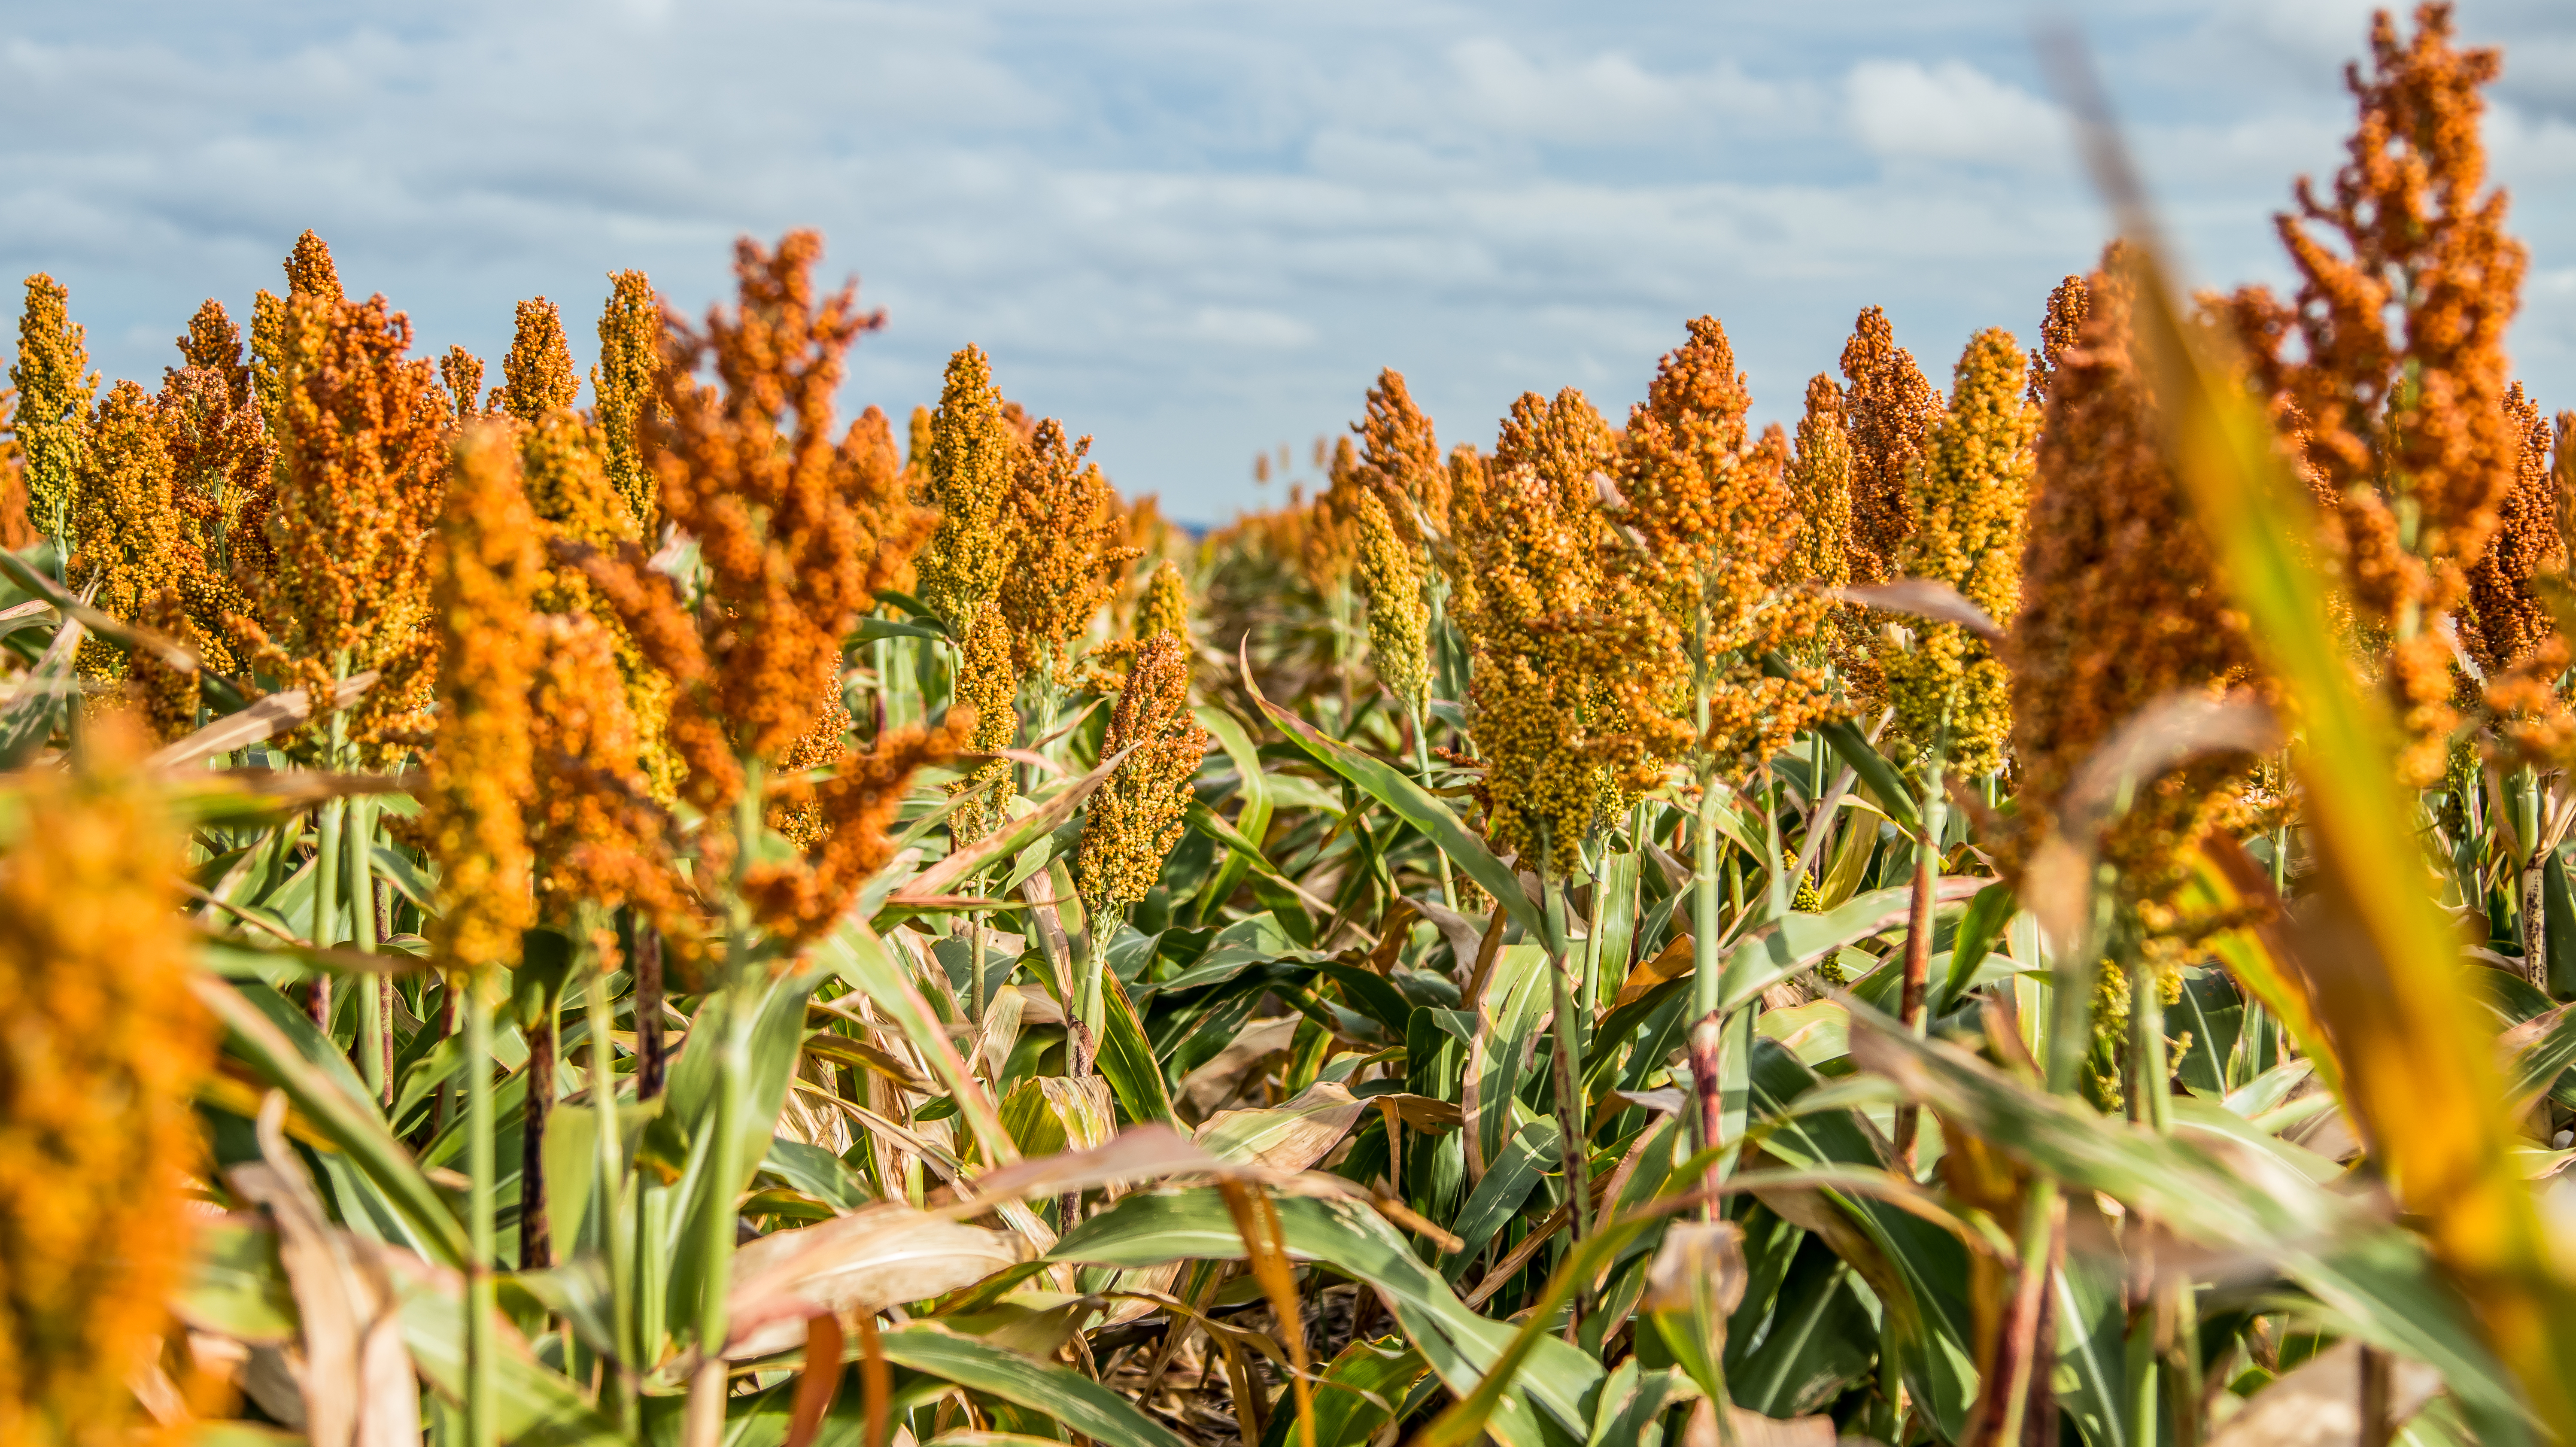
(1188, 229)
(1952, 111)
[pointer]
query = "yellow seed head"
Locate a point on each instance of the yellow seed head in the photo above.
(973, 454)
(54, 385)
(537, 373)
(486, 568)
(1969, 500)
(622, 387)
(99, 1064)
(1138, 812)
(1166, 607)
(1399, 621)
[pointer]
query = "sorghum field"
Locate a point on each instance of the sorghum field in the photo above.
(2030, 911)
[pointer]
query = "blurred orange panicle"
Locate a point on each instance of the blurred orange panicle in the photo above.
(2122, 601)
(486, 567)
(100, 1059)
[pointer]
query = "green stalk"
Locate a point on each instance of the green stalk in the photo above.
(703, 1423)
(2150, 1073)
(2038, 1228)
(326, 902)
(1422, 766)
(1707, 1039)
(1090, 1009)
(980, 997)
(1569, 1055)
(1918, 933)
(618, 1389)
(373, 1050)
(482, 1400)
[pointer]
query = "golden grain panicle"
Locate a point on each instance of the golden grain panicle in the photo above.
(55, 386)
(486, 567)
(100, 1065)
(1064, 526)
(2123, 602)
(1968, 503)
(1137, 814)
(973, 454)
(1399, 621)
(537, 372)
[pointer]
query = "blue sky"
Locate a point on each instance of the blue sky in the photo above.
(1196, 230)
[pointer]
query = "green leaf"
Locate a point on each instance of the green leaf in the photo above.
(1251, 821)
(1154, 1228)
(536, 1406)
(1878, 778)
(1497, 1199)
(861, 959)
(1065, 1396)
(2215, 1191)
(279, 1043)
(872, 629)
(1406, 798)
(1127, 1058)
(235, 1284)
(1357, 1395)
(1979, 928)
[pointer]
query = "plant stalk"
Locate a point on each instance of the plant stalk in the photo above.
(1918, 937)
(703, 1422)
(1569, 1059)
(482, 1417)
(618, 1390)
(1422, 766)
(374, 1045)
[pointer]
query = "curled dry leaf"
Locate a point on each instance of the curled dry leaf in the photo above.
(878, 1257)
(2318, 1402)
(1287, 1137)
(1924, 598)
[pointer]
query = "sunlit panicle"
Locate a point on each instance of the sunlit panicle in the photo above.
(486, 569)
(2506, 618)
(124, 514)
(100, 1063)
(1889, 413)
(1530, 536)
(1708, 523)
(1397, 443)
(1137, 814)
(594, 827)
(1063, 522)
(986, 683)
(2068, 305)
(362, 431)
(1166, 605)
(2510, 626)
(1969, 503)
(972, 455)
(623, 386)
(1820, 479)
(215, 344)
(54, 385)
(1398, 619)
(537, 372)
(461, 373)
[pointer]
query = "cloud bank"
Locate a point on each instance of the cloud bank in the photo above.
(1196, 230)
